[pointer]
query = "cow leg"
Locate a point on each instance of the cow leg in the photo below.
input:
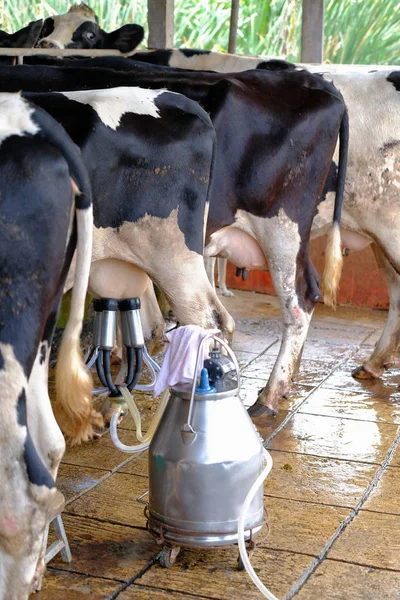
(382, 357)
(209, 264)
(191, 295)
(222, 262)
(296, 286)
(43, 427)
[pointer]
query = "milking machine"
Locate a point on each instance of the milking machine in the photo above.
(103, 341)
(206, 458)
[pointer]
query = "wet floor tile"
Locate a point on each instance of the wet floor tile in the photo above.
(256, 326)
(137, 466)
(311, 372)
(114, 500)
(340, 333)
(73, 480)
(244, 358)
(251, 304)
(213, 574)
(335, 581)
(314, 479)
(251, 386)
(372, 540)
(323, 350)
(98, 453)
(352, 405)
(58, 585)
(387, 385)
(266, 425)
(337, 438)
(300, 526)
(102, 549)
(255, 345)
(395, 462)
(385, 496)
(141, 592)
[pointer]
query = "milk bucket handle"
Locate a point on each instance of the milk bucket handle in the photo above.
(187, 431)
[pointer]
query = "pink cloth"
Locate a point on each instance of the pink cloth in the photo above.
(180, 359)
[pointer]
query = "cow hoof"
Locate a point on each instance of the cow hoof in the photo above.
(361, 373)
(259, 409)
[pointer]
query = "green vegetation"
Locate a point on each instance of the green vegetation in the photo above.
(356, 31)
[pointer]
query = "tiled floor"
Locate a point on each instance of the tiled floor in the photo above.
(332, 496)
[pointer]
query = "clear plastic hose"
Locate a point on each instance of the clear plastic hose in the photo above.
(133, 409)
(242, 518)
(117, 442)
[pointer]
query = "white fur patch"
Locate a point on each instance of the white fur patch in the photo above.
(15, 117)
(66, 25)
(111, 104)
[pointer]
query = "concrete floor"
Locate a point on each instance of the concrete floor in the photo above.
(332, 495)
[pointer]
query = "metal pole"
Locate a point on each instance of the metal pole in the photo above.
(233, 26)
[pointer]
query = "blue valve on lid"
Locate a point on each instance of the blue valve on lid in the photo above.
(204, 387)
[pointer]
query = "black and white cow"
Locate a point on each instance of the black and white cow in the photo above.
(79, 28)
(41, 224)
(371, 204)
(149, 155)
(276, 134)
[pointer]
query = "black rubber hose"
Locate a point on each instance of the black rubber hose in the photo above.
(107, 372)
(100, 368)
(131, 365)
(138, 368)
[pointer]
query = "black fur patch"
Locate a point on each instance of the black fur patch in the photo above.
(394, 78)
(1, 361)
(275, 65)
(190, 52)
(330, 183)
(88, 35)
(48, 28)
(389, 146)
(42, 354)
(37, 472)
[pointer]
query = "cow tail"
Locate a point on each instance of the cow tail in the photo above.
(73, 406)
(334, 256)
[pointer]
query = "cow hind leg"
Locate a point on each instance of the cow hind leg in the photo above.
(192, 297)
(297, 289)
(383, 355)
(209, 264)
(222, 263)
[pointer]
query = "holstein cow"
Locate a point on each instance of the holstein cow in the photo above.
(40, 224)
(371, 205)
(276, 134)
(149, 155)
(79, 28)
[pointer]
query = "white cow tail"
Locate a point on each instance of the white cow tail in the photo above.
(334, 256)
(73, 407)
